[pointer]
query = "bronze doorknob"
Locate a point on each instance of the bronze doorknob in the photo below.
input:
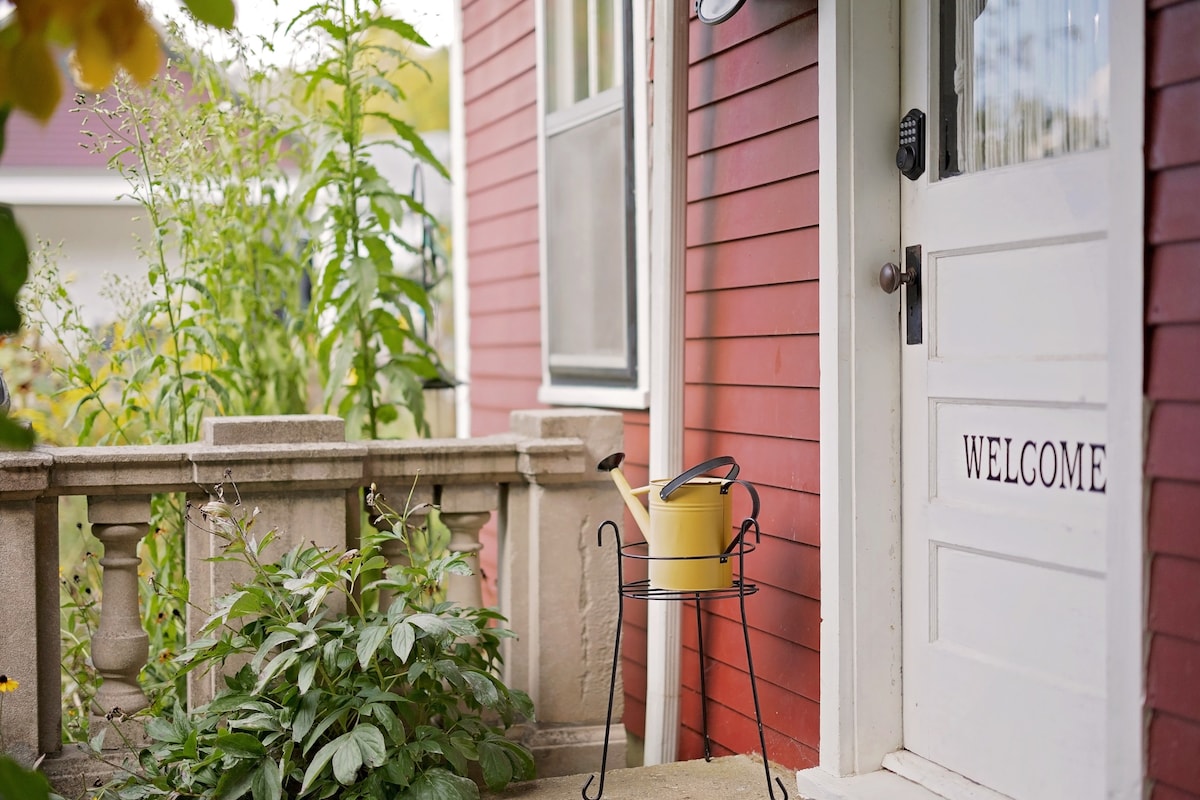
(891, 278)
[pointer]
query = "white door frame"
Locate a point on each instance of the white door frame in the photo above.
(861, 703)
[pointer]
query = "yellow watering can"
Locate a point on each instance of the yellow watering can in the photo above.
(689, 525)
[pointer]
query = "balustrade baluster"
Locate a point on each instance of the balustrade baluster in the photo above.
(120, 645)
(466, 590)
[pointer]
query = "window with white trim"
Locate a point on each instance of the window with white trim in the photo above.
(589, 216)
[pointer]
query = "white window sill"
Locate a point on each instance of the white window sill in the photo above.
(594, 397)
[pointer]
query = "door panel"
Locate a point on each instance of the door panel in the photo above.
(1003, 405)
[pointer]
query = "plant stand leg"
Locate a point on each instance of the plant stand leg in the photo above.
(616, 663)
(703, 683)
(762, 740)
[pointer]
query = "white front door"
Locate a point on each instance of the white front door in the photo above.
(1003, 398)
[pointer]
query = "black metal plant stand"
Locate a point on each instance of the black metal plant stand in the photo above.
(642, 590)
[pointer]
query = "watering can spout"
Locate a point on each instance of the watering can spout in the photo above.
(612, 465)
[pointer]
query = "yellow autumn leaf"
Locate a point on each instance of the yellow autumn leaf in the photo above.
(35, 87)
(144, 58)
(92, 62)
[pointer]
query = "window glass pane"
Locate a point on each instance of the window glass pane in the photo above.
(554, 52)
(1021, 80)
(606, 46)
(579, 67)
(587, 281)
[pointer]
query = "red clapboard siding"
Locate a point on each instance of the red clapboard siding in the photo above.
(1174, 509)
(776, 661)
(1172, 382)
(790, 413)
(1176, 142)
(498, 35)
(1174, 212)
(1174, 56)
(480, 13)
(784, 463)
(1174, 450)
(505, 263)
(775, 207)
(1174, 743)
(754, 19)
(1175, 345)
(783, 710)
(776, 612)
(785, 153)
(494, 331)
(521, 159)
(1163, 791)
(509, 361)
(507, 99)
(519, 194)
(1174, 270)
(1173, 683)
(485, 422)
(502, 135)
(774, 361)
(786, 514)
(491, 234)
(785, 102)
(759, 261)
(789, 308)
(788, 49)
(1174, 601)
(513, 295)
(733, 732)
(504, 394)
(500, 68)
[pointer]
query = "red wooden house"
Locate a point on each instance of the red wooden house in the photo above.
(980, 561)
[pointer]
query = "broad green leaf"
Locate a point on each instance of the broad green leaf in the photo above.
(496, 765)
(218, 13)
(433, 625)
(234, 782)
(308, 671)
(243, 745)
(270, 643)
(14, 269)
(16, 781)
(161, 730)
(398, 26)
(268, 782)
(403, 639)
(441, 784)
(482, 688)
(278, 664)
(368, 642)
(305, 716)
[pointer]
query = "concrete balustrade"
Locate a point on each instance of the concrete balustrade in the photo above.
(537, 484)
(120, 645)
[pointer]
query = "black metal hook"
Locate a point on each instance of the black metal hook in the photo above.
(612, 685)
(771, 791)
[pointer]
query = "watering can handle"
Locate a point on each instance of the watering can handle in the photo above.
(700, 469)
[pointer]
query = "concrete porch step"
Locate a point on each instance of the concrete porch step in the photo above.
(727, 778)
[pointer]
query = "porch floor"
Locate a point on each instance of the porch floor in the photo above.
(723, 778)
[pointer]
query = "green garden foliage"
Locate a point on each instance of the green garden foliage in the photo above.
(276, 280)
(398, 701)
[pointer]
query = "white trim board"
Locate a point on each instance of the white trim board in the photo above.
(861, 707)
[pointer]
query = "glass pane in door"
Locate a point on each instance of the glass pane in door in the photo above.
(1021, 80)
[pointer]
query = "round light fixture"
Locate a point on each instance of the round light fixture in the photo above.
(712, 12)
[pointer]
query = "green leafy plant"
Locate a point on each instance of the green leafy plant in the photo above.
(402, 701)
(373, 357)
